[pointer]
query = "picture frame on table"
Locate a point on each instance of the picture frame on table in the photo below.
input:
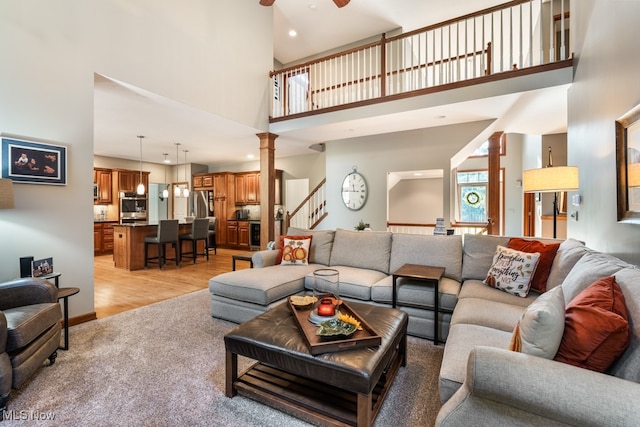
(33, 162)
(628, 166)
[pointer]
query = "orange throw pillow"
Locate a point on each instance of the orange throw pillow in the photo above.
(596, 330)
(281, 245)
(547, 254)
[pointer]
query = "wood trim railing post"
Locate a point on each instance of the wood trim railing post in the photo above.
(489, 59)
(383, 65)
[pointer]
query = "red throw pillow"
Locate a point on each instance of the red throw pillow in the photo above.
(547, 254)
(596, 330)
(281, 245)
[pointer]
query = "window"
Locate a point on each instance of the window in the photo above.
(483, 150)
(472, 196)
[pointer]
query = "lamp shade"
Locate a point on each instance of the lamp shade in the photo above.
(550, 179)
(6, 194)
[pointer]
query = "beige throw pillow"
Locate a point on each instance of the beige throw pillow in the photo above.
(512, 270)
(539, 331)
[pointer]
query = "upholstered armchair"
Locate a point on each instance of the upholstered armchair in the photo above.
(30, 325)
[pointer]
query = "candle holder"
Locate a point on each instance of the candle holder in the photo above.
(326, 288)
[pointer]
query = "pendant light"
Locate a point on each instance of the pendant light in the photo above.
(176, 190)
(140, 190)
(185, 192)
(165, 192)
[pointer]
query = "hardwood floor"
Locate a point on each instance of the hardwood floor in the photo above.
(117, 290)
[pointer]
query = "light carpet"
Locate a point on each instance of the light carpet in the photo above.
(163, 365)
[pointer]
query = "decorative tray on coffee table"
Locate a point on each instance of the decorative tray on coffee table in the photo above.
(366, 337)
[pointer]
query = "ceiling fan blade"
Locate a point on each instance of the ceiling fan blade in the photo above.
(341, 3)
(267, 2)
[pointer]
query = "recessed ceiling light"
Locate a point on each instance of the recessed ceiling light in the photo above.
(250, 156)
(293, 33)
(312, 6)
(417, 174)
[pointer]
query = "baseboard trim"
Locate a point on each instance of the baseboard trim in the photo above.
(76, 320)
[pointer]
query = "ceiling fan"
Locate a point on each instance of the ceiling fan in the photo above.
(339, 3)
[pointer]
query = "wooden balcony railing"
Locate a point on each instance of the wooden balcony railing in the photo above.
(419, 228)
(518, 34)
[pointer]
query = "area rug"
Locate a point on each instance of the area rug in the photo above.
(163, 365)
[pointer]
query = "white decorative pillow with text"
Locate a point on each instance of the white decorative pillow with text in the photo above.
(295, 251)
(512, 270)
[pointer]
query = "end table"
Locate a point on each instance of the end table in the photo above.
(64, 294)
(423, 273)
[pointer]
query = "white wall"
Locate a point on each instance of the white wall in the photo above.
(417, 201)
(605, 87)
(51, 52)
(375, 156)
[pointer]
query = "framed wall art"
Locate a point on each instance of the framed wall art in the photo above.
(628, 166)
(34, 162)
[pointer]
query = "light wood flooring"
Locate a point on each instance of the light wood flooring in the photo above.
(117, 290)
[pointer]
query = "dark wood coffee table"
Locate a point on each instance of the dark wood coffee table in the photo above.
(336, 389)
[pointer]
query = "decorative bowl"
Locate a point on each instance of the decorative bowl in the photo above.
(335, 328)
(302, 302)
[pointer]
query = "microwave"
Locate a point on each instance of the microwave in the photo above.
(95, 192)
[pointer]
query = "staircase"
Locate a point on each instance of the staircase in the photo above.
(311, 211)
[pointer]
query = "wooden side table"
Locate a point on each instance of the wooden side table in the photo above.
(247, 256)
(425, 273)
(64, 294)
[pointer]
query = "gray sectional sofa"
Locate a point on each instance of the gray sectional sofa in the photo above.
(482, 382)
(364, 260)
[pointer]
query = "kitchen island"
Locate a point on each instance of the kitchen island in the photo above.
(128, 244)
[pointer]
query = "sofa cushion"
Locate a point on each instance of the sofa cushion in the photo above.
(261, 285)
(596, 327)
(362, 249)
(321, 243)
(539, 330)
(477, 289)
(569, 252)
(462, 338)
(416, 292)
(547, 255)
(282, 244)
(478, 253)
(589, 268)
(512, 270)
(474, 311)
(26, 323)
(295, 250)
(437, 251)
(628, 365)
(353, 282)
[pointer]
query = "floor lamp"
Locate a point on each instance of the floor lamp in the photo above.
(551, 180)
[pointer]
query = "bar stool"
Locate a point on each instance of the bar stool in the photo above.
(213, 226)
(199, 231)
(167, 234)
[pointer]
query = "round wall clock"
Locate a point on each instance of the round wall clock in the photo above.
(354, 190)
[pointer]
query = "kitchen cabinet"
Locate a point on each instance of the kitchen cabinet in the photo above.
(223, 203)
(127, 180)
(238, 234)
(248, 188)
(102, 178)
(203, 181)
(103, 237)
